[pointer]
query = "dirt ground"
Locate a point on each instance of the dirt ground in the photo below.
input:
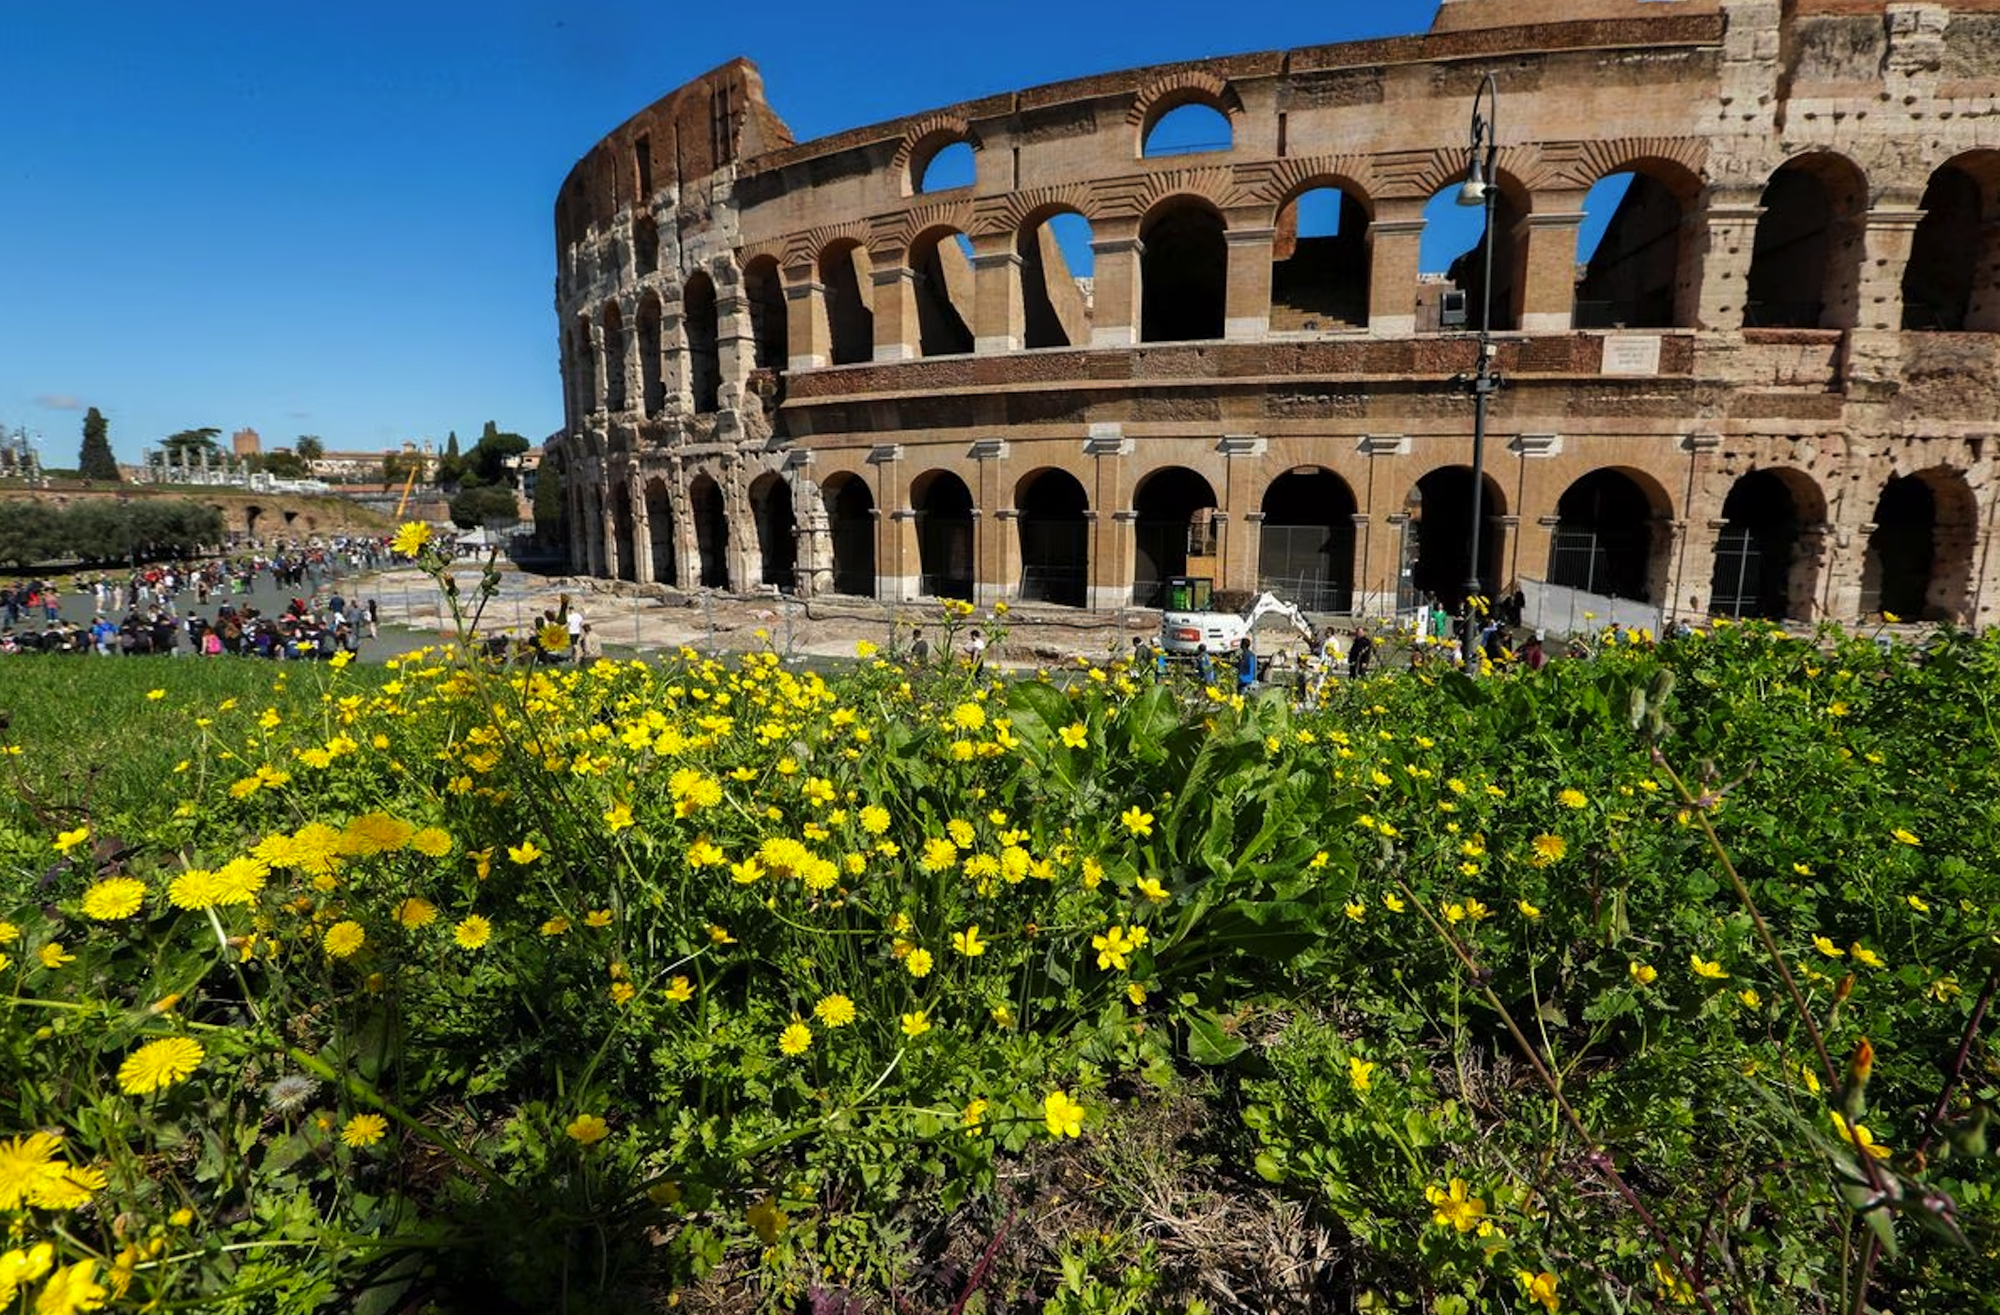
(627, 618)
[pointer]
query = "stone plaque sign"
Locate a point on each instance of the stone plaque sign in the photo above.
(1632, 354)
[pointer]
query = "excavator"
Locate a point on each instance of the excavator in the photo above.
(1189, 623)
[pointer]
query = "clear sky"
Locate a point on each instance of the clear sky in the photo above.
(335, 218)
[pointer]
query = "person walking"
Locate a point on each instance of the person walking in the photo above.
(1246, 665)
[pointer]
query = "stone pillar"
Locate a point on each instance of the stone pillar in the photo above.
(1825, 579)
(1982, 311)
(1548, 303)
(1380, 558)
(1236, 532)
(600, 376)
(676, 385)
(807, 337)
(1886, 242)
(895, 527)
(607, 530)
(1725, 239)
(1247, 297)
(1393, 265)
(1115, 294)
(1000, 322)
(898, 336)
(642, 531)
(735, 349)
(1113, 541)
(687, 540)
(1004, 540)
(991, 581)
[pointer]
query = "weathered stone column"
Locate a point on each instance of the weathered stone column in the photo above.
(1236, 533)
(1004, 534)
(1394, 242)
(676, 387)
(1548, 303)
(1115, 315)
(642, 530)
(1886, 243)
(999, 319)
(1825, 579)
(895, 527)
(1247, 298)
(1725, 239)
(807, 338)
(1111, 533)
(735, 348)
(898, 336)
(991, 581)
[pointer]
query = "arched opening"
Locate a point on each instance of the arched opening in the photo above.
(1456, 299)
(941, 262)
(614, 358)
(1056, 268)
(1319, 263)
(850, 520)
(951, 165)
(1184, 274)
(645, 245)
(849, 279)
(660, 527)
(1603, 539)
(1188, 129)
(1945, 253)
(711, 531)
(777, 532)
(1173, 510)
(652, 387)
(621, 532)
(1305, 548)
(704, 355)
(1440, 529)
(764, 292)
(1756, 549)
(944, 534)
(1055, 544)
(1802, 263)
(1919, 557)
(1629, 252)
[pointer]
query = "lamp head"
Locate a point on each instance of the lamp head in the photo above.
(1473, 191)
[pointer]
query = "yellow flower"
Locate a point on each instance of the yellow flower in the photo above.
(1916, 903)
(1548, 849)
(1063, 1116)
(1075, 735)
(967, 942)
(364, 1130)
(1393, 903)
(1002, 1015)
(1454, 1206)
(1862, 954)
(918, 963)
(1641, 973)
(1528, 910)
(865, 648)
(1572, 799)
(158, 1065)
(53, 955)
(1902, 837)
(472, 933)
(597, 918)
(1828, 948)
(1135, 993)
(680, 990)
(410, 538)
(343, 939)
(1150, 887)
(975, 1115)
(588, 1129)
(555, 926)
(72, 1289)
(1709, 968)
(1137, 821)
(416, 913)
(835, 1011)
(622, 993)
(1355, 912)
(1539, 1287)
(1751, 1000)
(618, 817)
(915, 1025)
(524, 853)
(69, 840)
(794, 1039)
(114, 897)
(1858, 1136)
(1360, 1073)
(969, 716)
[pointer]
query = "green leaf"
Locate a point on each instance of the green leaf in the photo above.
(1208, 1044)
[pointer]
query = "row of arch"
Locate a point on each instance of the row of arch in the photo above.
(1612, 534)
(1805, 271)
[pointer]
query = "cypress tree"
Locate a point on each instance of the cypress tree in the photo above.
(95, 460)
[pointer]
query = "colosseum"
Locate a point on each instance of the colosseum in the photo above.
(1037, 347)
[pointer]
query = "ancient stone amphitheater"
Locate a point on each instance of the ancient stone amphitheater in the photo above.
(875, 364)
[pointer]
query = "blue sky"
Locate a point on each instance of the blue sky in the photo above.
(334, 219)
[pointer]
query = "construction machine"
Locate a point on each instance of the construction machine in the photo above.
(1189, 622)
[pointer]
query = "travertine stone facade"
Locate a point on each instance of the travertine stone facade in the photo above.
(832, 366)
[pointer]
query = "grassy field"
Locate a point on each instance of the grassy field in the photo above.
(119, 744)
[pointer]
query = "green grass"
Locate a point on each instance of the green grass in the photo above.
(83, 738)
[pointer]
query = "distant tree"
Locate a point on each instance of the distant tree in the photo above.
(285, 465)
(95, 460)
(186, 447)
(396, 466)
(451, 466)
(309, 448)
(549, 510)
(488, 461)
(481, 504)
(29, 533)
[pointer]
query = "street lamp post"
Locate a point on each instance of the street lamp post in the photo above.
(1480, 188)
